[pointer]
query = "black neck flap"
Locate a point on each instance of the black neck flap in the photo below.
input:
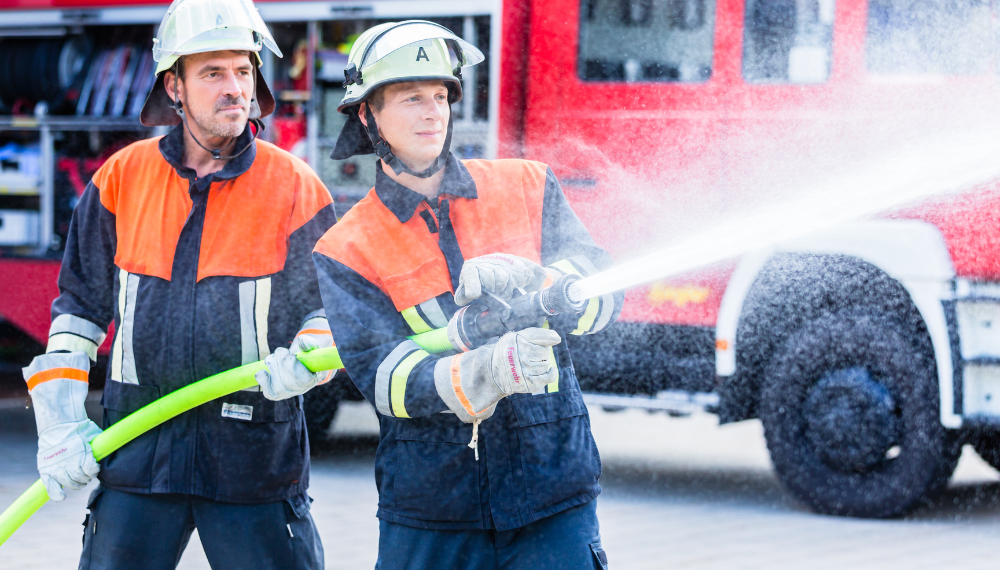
(384, 152)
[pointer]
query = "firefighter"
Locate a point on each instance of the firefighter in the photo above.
(197, 245)
(433, 235)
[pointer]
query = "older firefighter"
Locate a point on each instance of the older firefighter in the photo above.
(197, 245)
(434, 234)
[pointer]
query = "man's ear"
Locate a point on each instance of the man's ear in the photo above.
(168, 84)
(362, 115)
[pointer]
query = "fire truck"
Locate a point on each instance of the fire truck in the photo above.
(871, 353)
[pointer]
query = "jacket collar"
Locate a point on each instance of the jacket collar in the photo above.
(403, 202)
(172, 149)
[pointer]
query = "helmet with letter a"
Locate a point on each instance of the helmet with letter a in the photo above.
(200, 26)
(398, 52)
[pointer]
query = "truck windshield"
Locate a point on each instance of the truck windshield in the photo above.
(788, 41)
(646, 40)
(944, 37)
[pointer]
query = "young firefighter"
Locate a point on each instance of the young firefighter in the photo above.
(197, 245)
(433, 234)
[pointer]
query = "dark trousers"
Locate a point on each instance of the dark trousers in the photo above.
(126, 531)
(570, 540)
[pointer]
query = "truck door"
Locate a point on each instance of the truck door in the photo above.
(625, 102)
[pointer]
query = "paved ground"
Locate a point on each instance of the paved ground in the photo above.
(679, 493)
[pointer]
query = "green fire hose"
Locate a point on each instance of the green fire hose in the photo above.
(177, 403)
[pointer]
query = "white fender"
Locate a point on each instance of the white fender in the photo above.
(912, 252)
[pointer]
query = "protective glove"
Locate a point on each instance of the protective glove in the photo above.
(58, 384)
(472, 383)
(498, 273)
(284, 376)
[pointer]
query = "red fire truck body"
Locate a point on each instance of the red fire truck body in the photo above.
(871, 353)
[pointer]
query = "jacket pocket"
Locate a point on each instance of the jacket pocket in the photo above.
(600, 557)
(251, 448)
(436, 476)
(130, 466)
(558, 455)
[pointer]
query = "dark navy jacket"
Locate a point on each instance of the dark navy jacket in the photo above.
(537, 455)
(200, 275)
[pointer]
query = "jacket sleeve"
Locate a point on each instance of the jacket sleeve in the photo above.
(313, 215)
(568, 248)
(85, 305)
(393, 373)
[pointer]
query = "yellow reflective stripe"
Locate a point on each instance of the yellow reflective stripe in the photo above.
(554, 385)
(399, 377)
(565, 266)
(589, 316)
(413, 319)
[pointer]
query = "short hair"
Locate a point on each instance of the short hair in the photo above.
(179, 66)
(377, 98)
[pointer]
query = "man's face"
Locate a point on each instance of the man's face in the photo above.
(216, 91)
(414, 121)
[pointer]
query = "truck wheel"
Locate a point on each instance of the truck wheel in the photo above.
(987, 445)
(320, 406)
(851, 416)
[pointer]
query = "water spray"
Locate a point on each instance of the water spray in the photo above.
(923, 168)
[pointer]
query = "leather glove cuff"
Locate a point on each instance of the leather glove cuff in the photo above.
(466, 393)
(58, 384)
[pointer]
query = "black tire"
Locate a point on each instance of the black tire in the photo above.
(851, 414)
(320, 406)
(987, 445)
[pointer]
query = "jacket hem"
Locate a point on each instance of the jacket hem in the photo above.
(285, 495)
(575, 501)
(555, 509)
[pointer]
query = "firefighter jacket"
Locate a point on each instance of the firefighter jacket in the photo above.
(388, 270)
(200, 275)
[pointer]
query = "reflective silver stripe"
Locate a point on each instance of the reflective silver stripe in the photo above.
(123, 357)
(255, 305)
(248, 332)
(435, 316)
(607, 309)
(383, 376)
(262, 306)
(75, 334)
(584, 264)
(72, 343)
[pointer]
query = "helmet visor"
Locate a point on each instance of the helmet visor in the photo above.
(418, 31)
(190, 22)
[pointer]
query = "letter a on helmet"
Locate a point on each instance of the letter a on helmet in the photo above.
(398, 52)
(199, 26)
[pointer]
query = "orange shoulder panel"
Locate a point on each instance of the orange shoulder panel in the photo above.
(405, 261)
(109, 176)
(511, 194)
(150, 203)
(350, 239)
(249, 219)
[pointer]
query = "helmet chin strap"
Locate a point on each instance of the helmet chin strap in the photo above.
(178, 107)
(385, 153)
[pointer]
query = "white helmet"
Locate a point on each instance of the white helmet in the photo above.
(396, 52)
(199, 26)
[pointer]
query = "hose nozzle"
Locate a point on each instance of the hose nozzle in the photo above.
(490, 316)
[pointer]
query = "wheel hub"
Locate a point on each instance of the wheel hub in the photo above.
(851, 420)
